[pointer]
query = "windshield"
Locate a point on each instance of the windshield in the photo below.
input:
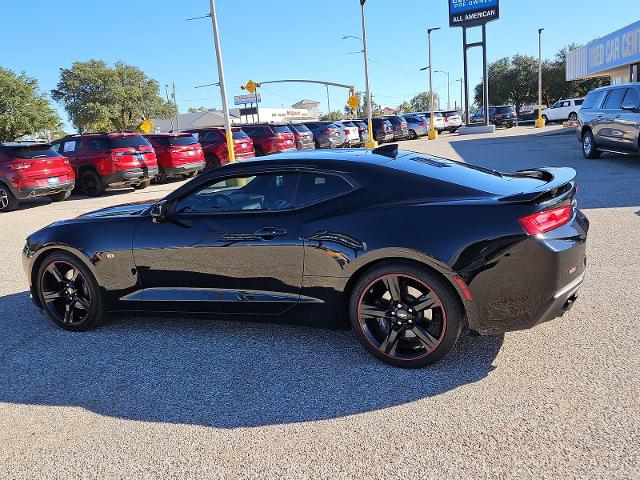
(31, 151)
(128, 141)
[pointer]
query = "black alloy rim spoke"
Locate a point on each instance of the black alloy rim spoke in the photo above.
(50, 295)
(425, 337)
(390, 342)
(426, 302)
(372, 311)
(393, 287)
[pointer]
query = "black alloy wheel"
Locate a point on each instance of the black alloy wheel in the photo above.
(68, 292)
(406, 316)
(91, 184)
(8, 202)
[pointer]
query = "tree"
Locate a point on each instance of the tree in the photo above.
(197, 109)
(361, 110)
(99, 97)
(331, 116)
(23, 109)
(422, 102)
(404, 107)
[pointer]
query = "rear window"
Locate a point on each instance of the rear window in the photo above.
(300, 128)
(614, 100)
(592, 100)
(128, 141)
(239, 135)
(316, 187)
(35, 151)
(280, 129)
(578, 102)
(502, 110)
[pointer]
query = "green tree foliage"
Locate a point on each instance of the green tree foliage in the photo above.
(197, 109)
(331, 116)
(514, 80)
(422, 102)
(23, 109)
(361, 110)
(404, 107)
(99, 97)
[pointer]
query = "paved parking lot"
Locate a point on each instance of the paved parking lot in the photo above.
(159, 397)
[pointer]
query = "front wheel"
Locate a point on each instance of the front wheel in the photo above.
(69, 293)
(405, 315)
(8, 201)
(589, 149)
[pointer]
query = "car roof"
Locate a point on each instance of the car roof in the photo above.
(24, 144)
(167, 134)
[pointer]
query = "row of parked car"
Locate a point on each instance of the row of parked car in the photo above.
(92, 162)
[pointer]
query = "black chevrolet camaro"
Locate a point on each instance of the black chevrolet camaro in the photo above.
(412, 249)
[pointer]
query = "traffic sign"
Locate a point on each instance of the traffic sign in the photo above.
(146, 126)
(251, 86)
(353, 101)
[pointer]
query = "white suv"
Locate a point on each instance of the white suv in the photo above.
(563, 110)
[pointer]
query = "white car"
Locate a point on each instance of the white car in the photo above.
(452, 120)
(438, 120)
(563, 110)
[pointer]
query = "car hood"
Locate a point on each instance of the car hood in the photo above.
(126, 209)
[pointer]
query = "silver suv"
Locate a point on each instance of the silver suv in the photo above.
(609, 121)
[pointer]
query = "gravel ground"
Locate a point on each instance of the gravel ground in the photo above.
(152, 397)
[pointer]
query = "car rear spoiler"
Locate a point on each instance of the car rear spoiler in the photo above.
(557, 181)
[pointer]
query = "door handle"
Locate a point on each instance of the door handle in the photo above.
(268, 233)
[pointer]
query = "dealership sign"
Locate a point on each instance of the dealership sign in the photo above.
(615, 50)
(470, 13)
(244, 99)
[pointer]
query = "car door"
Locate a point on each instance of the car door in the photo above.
(609, 135)
(628, 119)
(230, 245)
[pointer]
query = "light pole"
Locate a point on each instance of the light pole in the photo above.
(448, 88)
(166, 92)
(371, 143)
(433, 134)
(461, 94)
(223, 90)
(328, 103)
(539, 120)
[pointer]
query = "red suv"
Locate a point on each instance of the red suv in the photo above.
(103, 160)
(177, 154)
(269, 138)
(29, 170)
(214, 144)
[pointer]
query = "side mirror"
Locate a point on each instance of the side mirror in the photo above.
(159, 211)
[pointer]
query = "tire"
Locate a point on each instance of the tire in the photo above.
(91, 184)
(60, 197)
(589, 148)
(142, 185)
(412, 135)
(69, 293)
(8, 201)
(193, 174)
(391, 336)
(212, 162)
(259, 152)
(545, 119)
(573, 116)
(317, 145)
(161, 177)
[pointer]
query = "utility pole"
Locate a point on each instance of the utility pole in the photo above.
(448, 88)
(175, 105)
(223, 90)
(461, 80)
(433, 134)
(539, 120)
(371, 143)
(166, 93)
(328, 102)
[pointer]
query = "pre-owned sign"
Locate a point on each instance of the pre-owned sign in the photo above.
(469, 13)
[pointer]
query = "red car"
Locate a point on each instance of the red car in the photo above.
(177, 154)
(102, 160)
(270, 138)
(29, 170)
(214, 144)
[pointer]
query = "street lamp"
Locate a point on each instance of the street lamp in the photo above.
(448, 88)
(371, 143)
(539, 120)
(433, 134)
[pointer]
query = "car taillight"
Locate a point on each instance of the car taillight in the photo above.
(423, 124)
(329, 131)
(546, 220)
(20, 166)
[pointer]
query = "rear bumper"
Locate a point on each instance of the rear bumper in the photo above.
(184, 168)
(559, 304)
(129, 177)
(39, 191)
(305, 146)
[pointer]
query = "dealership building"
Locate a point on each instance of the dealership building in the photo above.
(616, 55)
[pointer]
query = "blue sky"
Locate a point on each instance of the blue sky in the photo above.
(276, 39)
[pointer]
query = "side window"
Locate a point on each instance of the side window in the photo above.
(97, 143)
(212, 136)
(71, 146)
(578, 102)
(56, 147)
(592, 100)
(614, 100)
(316, 187)
(268, 192)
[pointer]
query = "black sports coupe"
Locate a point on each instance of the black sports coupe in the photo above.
(411, 248)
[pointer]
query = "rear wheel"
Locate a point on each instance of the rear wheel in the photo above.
(573, 116)
(69, 293)
(545, 119)
(589, 149)
(405, 315)
(412, 134)
(212, 162)
(60, 197)
(91, 184)
(142, 185)
(161, 177)
(317, 144)
(259, 152)
(193, 174)
(8, 201)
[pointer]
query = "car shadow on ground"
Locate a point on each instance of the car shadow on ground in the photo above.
(610, 181)
(218, 373)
